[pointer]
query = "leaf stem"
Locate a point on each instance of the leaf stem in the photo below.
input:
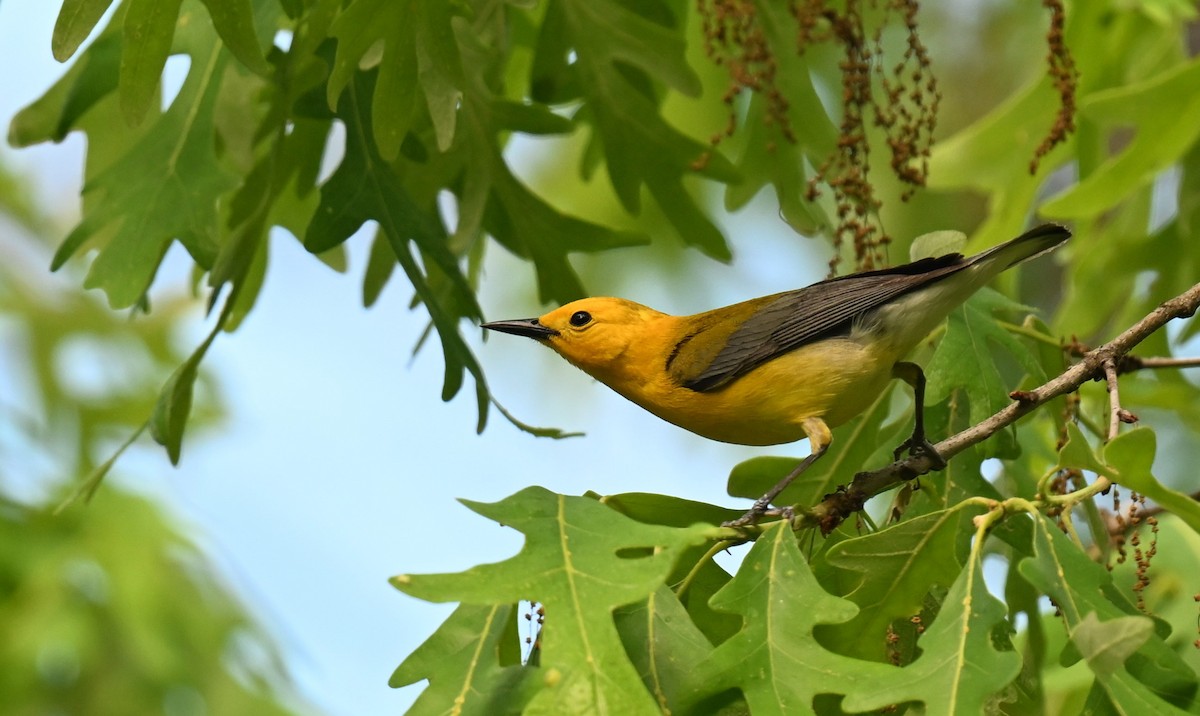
(1029, 333)
(720, 546)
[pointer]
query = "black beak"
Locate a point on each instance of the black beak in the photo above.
(528, 327)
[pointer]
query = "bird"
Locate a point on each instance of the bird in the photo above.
(783, 367)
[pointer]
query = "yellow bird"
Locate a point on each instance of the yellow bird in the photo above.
(782, 367)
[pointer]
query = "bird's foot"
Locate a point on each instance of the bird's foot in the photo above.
(759, 511)
(919, 445)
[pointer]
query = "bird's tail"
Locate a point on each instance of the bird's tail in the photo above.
(1028, 245)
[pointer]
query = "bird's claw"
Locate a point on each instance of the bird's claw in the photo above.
(919, 445)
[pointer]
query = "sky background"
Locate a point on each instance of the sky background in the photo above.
(338, 466)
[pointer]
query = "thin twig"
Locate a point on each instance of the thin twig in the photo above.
(847, 500)
(1116, 414)
(1135, 363)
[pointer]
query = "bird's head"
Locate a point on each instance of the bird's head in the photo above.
(591, 333)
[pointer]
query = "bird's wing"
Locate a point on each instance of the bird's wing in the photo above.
(824, 309)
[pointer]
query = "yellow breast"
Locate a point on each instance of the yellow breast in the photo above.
(833, 380)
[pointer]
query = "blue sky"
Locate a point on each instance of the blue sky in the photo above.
(338, 465)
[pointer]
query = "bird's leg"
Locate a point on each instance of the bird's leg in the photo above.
(918, 443)
(819, 438)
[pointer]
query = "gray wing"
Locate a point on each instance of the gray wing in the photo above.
(824, 309)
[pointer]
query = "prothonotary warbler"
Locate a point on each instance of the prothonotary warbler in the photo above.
(782, 367)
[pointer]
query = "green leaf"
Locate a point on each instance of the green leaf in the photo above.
(668, 510)
(365, 187)
(174, 404)
(516, 217)
(665, 648)
(149, 28)
(438, 68)
(166, 186)
(581, 560)
(895, 568)
(1079, 587)
(1160, 140)
(461, 661)
(936, 243)
(965, 360)
(1107, 645)
(774, 660)
(380, 264)
(1078, 453)
(619, 55)
(87, 488)
(1130, 456)
(397, 93)
(234, 22)
(767, 156)
(960, 670)
(981, 156)
(75, 22)
(90, 78)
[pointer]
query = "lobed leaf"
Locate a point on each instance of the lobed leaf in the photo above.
(1130, 456)
(166, 186)
(581, 560)
(895, 569)
(619, 55)
(965, 359)
(461, 661)
(960, 669)
(365, 187)
(1154, 675)
(775, 660)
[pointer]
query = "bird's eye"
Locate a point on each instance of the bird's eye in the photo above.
(580, 318)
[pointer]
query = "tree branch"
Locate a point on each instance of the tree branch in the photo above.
(839, 505)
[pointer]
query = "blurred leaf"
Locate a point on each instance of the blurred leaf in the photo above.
(174, 404)
(1161, 139)
(149, 27)
(1106, 646)
(234, 22)
(75, 22)
(895, 569)
(462, 664)
(581, 560)
(774, 660)
(936, 243)
(992, 156)
(90, 78)
(88, 486)
(113, 602)
(165, 187)
(397, 92)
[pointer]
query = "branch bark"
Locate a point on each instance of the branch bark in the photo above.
(836, 507)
